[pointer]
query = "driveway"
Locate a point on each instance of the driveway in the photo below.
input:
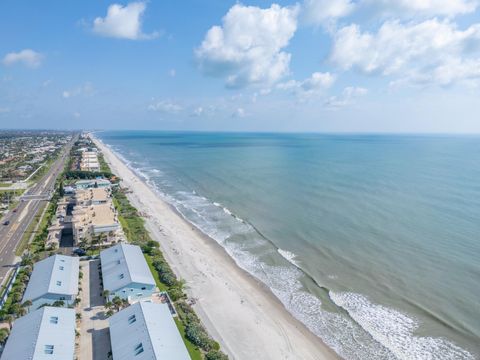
(94, 334)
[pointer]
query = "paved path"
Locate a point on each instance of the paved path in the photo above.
(94, 333)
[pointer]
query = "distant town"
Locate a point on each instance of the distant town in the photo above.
(81, 277)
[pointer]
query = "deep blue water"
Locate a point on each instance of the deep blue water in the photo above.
(373, 241)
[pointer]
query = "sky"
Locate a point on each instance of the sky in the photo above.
(215, 65)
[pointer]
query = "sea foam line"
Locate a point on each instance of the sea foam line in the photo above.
(395, 330)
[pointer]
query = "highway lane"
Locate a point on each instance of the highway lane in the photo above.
(11, 235)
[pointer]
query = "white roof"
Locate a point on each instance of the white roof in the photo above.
(35, 335)
(147, 326)
(122, 265)
(57, 274)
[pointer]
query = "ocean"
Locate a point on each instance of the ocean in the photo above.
(372, 241)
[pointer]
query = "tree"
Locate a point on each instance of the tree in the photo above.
(216, 355)
(4, 335)
(9, 319)
(106, 293)
(59, 303)
(61, 190)
(117, 302)
(27, 304)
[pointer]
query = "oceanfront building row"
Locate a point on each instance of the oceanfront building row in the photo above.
(143, 330)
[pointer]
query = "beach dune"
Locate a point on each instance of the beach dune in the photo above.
(237, 310)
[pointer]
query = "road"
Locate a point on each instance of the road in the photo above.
(11, 235)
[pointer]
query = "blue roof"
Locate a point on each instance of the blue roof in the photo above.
(46, 333)
(146, 331)
(57, 274)
(122, 265)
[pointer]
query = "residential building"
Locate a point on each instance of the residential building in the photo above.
(146, 331)
(46, 333)
(89, 221)
(54, 278)
(92, 183)
(126, 273)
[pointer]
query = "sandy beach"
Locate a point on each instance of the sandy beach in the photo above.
(239, 311)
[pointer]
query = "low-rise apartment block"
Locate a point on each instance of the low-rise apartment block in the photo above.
(125, 273)
(53, 279)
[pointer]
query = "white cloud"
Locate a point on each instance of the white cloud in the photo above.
(27, 57)
(327, 12)
(123, 22)
(85, 89)
(4, 110)
(429, 51)
(247, 48)
(322, 12)
(76, 115)
(346, 98)
(239, 113)
(165, 106)
(198, 111)
(415, 8)
(316, 84)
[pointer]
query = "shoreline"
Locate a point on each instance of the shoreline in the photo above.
(245, 326)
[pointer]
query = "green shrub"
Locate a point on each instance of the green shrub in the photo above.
(216, 355)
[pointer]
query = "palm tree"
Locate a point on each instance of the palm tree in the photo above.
(105, 293)
(117, 302)
(27, 304)
(59, 303)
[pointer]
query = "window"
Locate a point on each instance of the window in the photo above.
(139, 294)
(121, 276)
(61, 267)
(144, 288)
(49, 349)
(116, 250)
(132, 319)
(59, 283)
(62, 260)
(118, 262)
(138, 349)
(54, 319)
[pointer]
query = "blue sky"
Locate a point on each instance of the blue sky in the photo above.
(312, 65)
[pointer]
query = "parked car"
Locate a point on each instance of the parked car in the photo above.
(79, 252)
(6, 222)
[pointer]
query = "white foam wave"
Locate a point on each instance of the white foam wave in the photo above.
(289, 256)
(370, 341)
(395, 330)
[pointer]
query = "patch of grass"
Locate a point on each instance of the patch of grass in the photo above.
(30, 231)
(193, 351)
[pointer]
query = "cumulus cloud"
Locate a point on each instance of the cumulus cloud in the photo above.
(429, 51)
(327, 12)
(315, 84)
(165, 106)
(346, 98)
(415, 8)
(322, 12)
(123, 22)
(248, 47)
(27, 57)
(85, 89)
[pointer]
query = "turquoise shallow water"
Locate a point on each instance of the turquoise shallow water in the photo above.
(373, 241)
